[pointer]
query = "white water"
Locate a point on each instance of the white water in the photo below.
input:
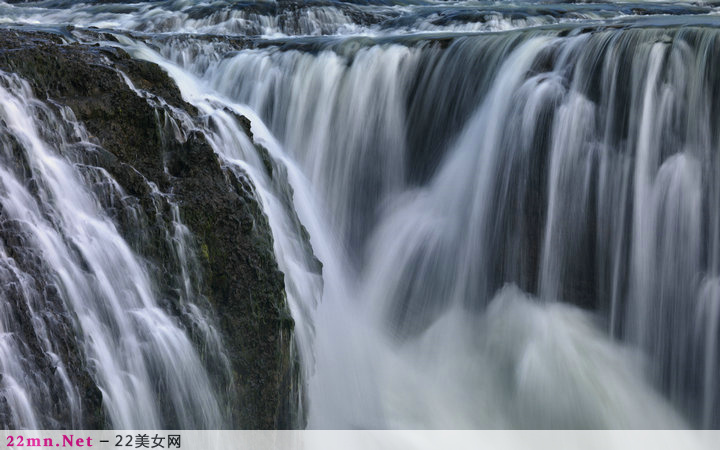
(440, 186)
(520, 364)
(139, 356)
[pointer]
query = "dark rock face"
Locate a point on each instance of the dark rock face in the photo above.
(239, 273)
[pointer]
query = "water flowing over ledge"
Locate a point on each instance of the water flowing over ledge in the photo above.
(143, 315)
(487, 214)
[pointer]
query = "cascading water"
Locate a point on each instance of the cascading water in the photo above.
(142, 361)
(513, 204)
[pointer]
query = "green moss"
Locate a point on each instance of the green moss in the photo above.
(205, 251)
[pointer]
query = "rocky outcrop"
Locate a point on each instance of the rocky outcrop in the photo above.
(233, 242)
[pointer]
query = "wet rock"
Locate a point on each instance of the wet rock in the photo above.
(239, 273)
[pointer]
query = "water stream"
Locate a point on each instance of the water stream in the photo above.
(514, 204)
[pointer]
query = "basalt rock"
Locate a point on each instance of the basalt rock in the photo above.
(238, 273)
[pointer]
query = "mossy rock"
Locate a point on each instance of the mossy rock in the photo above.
(240, 276)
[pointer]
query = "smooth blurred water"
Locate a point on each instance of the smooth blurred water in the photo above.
(513, 203)
(140, 357)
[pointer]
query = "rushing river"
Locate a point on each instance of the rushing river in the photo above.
(516, 205)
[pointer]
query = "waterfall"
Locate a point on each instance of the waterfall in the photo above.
(143, 362)
(488, 214)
